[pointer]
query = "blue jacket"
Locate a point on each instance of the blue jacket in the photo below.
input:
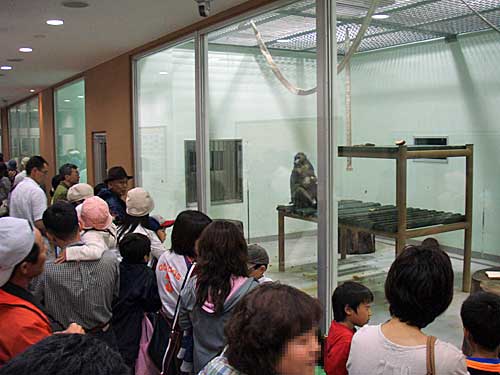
(117, 206)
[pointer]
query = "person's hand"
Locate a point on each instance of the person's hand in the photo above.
(74, 328)
(61, 258)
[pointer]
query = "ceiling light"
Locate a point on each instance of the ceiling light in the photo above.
(67, 100)
(5, 67)
(380, 16)
(55, 22)
(25, 49)
(32, 90)
(163, 73)
(74, 4)
(283, 40)
(80, 96)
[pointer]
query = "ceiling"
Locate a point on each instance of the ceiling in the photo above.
(108, 28)
(294, 27)
(89, 36)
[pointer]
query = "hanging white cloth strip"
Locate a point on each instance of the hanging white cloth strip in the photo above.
(277, 72)
(291, 87)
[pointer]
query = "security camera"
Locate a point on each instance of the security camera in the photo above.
(204, 7)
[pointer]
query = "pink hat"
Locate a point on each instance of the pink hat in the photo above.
(95, 214)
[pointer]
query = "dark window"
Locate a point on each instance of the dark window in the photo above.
(431, 141)
(226, 181)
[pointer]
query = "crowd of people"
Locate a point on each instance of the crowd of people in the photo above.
(87, 283)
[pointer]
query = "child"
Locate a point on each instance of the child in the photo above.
(351, 307)
(481, 319)
(138, 294)
(258, 260)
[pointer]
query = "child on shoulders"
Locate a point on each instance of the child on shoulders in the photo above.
(351, 307)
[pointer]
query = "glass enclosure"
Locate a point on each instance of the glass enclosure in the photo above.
(24, 130)
(69, 109)
(257, 126)
(166, 127)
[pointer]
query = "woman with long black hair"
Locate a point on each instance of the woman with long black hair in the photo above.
(220, 281)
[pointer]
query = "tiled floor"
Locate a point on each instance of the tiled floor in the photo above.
(371, 270)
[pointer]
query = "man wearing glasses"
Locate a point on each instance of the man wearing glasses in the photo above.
(28, 200)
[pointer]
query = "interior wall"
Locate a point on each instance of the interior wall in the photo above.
(47, 135)
(431, 89)
(5, 132)
(108, 109)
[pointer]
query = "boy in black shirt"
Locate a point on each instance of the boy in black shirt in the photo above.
(481, 319)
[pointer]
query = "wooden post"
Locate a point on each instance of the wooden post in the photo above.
(469, 173)
(401, 198)
(281, 241)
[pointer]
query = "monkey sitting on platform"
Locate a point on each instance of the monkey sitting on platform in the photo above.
(303, 183)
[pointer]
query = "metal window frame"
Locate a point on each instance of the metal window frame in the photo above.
(326, 132)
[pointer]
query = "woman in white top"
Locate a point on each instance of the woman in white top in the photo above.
(139, 205)
(173, 264)
(419, 288)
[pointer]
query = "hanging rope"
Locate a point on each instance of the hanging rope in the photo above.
(290, 86)
(485, 20)
(277, 72)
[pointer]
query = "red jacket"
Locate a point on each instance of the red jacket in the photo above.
(22, 324)
(337, 347)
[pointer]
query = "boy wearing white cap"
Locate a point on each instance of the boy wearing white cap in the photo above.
(23, 321)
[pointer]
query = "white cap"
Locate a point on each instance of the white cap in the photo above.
(139, 202)
(80, 192)
(16, 241)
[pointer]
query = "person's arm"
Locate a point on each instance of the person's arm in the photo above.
(336, 357)
(39, 205)
(92, 250)
(186, 305)
(151, 301)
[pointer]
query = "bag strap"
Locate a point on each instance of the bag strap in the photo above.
(176, 313)
(430, 359)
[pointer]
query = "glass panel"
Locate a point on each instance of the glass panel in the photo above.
(166, 128)
(268, 126)
(70, 126)
(431, 93)
(24, 130)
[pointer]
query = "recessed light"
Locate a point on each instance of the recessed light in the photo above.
(25, 49)
(32, 90)
(17, 59)
(163, 73)
(380, 16)
(283, 40)
(5, 67)
(55, 22)
(81, 96)
(67, 100)
(75, 4)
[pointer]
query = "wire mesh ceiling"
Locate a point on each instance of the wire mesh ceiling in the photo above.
(293, 27)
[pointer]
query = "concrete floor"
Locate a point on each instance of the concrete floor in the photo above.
(370, 270)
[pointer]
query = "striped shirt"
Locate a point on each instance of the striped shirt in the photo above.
(219, 366)
(79, 292)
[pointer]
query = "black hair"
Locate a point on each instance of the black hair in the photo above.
(264, 322)
(187, 228)
(35, 162)
(350, 294)
(419, 285)
(481, 317)
(222, 253)
(1, 158)
(32, 257)
(61, 220)
(129, 223)
(3, 170)
(134, 247)
(66, 169)
(66, 354)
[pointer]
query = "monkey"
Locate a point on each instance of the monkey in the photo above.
(303, 183)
